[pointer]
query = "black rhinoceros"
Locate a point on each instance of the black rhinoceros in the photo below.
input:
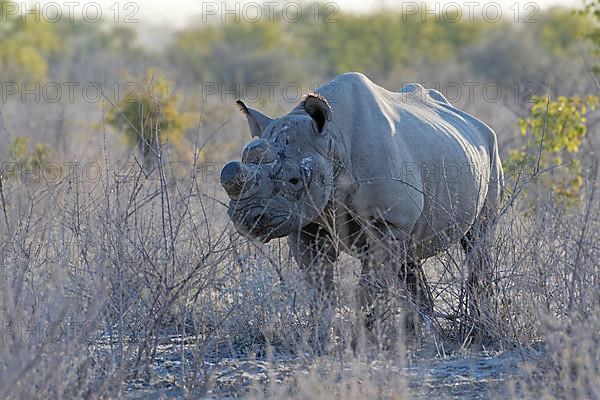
(390, 177)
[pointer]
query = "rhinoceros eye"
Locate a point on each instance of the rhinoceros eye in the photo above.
(296, 184)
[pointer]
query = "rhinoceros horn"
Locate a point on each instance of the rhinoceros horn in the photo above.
(236, 178)
(258, 151)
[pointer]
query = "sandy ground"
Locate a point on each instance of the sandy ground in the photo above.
(472, 376)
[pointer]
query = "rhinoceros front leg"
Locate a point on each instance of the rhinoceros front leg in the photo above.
(316, 254)
(388, 275)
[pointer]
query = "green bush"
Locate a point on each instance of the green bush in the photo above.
(149, 115)
(557, 129)
(29, 158)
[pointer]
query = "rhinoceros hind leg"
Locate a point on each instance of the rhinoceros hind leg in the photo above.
(412, 275)
(476, 244)
(389, 282)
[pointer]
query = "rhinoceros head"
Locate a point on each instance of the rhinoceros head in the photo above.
(284, 180)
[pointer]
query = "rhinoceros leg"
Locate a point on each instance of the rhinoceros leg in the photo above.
(316, 254)
(412, 275)
(373, 288)
(384, 266)
(476, 244)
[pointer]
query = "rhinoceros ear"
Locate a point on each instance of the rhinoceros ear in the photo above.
(318, 108)
(256, 120)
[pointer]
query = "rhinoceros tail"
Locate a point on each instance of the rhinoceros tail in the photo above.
(496, 183)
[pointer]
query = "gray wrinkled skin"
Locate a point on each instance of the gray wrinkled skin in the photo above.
(289, 180)
(360, 169)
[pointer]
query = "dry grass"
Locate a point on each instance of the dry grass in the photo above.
(101, 277)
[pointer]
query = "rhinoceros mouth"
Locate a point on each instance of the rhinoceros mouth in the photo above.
(267, 234)
(257, 224)
(277, 228)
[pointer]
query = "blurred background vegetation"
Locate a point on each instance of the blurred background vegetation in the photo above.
(65, 83)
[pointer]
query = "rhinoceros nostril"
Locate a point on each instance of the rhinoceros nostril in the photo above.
(255, 219)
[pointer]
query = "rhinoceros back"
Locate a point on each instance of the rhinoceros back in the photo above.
(416, 162)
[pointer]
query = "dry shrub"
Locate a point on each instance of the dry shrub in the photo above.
(105, 269)
(103, 278)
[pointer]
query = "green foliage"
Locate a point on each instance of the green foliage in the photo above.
(25, 46)
(227, 51)
(559, 29)
(592, 8)
(253, 36)
(558, 127)
(378, 43)
(377, 50)
(150, 115)
(28, 158)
